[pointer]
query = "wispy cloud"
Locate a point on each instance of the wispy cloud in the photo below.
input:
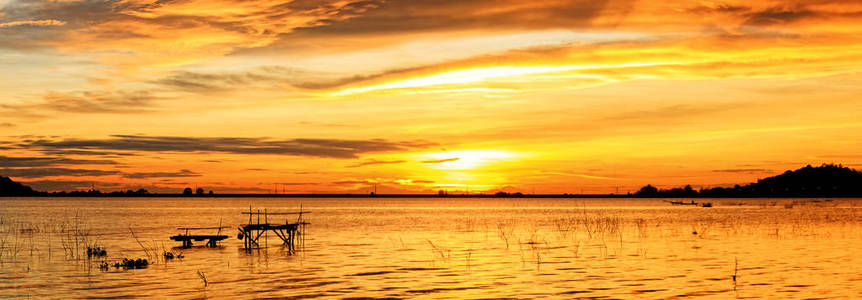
(665, 113)
(99, 102)
(86, 152)
(742, 170)
(778, 15)
(38, 23)
(49, 172)
(171, 32)
(86, 102)
(382, 18)
(581, 175)
(142, 175)
(439, 161)
(210, 82)
(298, 183)
(375, 162)
(44, 161)
(372, 181)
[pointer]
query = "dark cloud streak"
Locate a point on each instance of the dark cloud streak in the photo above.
(99, 102)
(22, 161)
(779, 15)
(180, 174)
(209, 82)
(331, 148)
(376, 162)
(134, 101)
(48, 172)
(438, 161)
(431, 15)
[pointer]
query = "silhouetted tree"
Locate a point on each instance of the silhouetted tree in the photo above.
(199, 191)
(187, 191)
(647, 190)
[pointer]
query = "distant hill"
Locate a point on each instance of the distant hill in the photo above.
(827, 180)
(8, 187)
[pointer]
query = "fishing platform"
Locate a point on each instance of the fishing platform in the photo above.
(188, 237)
(289, 233)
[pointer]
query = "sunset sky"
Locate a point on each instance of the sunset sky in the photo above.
(417, 96)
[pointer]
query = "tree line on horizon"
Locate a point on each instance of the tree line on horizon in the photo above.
(9, 187)
(827, 180)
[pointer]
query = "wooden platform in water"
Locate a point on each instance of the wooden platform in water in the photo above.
(250, 233)
(188, 237)
(293, 226)
(212, 240)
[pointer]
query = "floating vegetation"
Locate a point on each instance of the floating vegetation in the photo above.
(96, 251)
(125, 264)
(128, 263)
(170, 255)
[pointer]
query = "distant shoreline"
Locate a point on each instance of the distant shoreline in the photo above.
(825, 181)
(424, 196)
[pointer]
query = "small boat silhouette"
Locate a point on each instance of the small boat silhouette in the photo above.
(683, 203)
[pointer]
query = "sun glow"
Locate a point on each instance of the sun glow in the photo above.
(465, 159)
(454, 77)
(473, 75)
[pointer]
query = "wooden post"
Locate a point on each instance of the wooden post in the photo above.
(266, 233)
(290, 241)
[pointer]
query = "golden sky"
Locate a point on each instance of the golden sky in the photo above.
(417, 96)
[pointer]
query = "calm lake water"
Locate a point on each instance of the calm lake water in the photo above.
(440, 248)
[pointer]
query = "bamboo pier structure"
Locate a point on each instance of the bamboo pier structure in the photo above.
(289, 233)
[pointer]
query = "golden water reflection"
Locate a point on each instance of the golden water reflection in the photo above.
(443, 248)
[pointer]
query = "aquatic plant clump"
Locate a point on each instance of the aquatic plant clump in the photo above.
(128, 263)
(96, 251)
